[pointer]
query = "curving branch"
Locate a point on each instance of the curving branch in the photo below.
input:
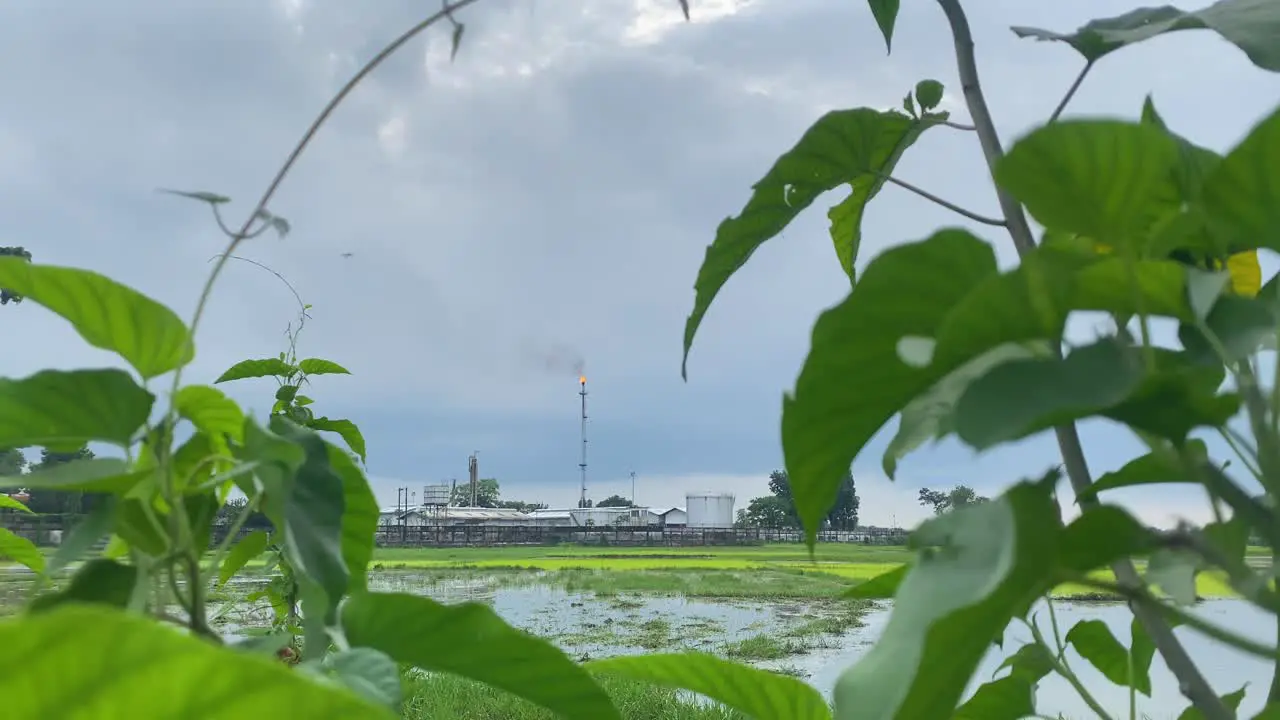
(948, 205)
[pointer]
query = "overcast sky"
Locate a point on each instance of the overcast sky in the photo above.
(548, 196)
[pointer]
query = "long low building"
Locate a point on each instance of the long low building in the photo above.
(445, 516)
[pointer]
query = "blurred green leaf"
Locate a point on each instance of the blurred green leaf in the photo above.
(96, 475)
(755, 693)
(138, 529)
(286, 393)
(21, 550)
(269, 367)
(1250, 25)
(359, 517)
(369, 673)
(316, 366)
(201, 195)
(979, 567)
(1150, 469)
(108, 315)
(64, 410)
(84, 534)
(1233, 700)
(1174, 572)
(471, 641)
(98, 581)
(1032, 662)
(246, 548)
(1104, 179)
(1242, 194)
(841, 147)
(853, 381)
(128, 666)
(880, 587)
(1101, 535)
(1009, 698)
(1095, 643)
(210, 411)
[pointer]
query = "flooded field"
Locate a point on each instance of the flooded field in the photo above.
(777, 618)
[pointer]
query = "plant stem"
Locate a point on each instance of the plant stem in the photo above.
(1191, 682)
(1071, 92)
(1060, 666)
(948, 205)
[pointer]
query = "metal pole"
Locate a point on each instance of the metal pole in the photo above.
(582, 498)
(633, 487)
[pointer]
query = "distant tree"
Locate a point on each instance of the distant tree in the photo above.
(521, 506)
(957, 497)
(487, 493)
(7, 295)
(843, 514)
(585, 504)
(768, 511)
(12, 462)
(232, 509)
(616, 501)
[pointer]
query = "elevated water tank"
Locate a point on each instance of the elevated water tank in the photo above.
(436, 494)
(709, 510)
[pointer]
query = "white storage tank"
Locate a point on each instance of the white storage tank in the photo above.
(436, 494)
(709, 510)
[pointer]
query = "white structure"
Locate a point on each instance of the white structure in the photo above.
(671, 517)
(610, 516)
(448, 516)
(709, 510)
(436, 494)
(551, 518)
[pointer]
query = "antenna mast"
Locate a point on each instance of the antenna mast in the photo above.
(582, 499)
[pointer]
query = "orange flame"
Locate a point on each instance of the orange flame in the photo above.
(582, 379)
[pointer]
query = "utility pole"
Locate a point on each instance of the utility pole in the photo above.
(633, 488)
(473, 469)
(582, 498)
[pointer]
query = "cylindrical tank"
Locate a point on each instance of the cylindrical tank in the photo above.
(709, 510)
(435, 495)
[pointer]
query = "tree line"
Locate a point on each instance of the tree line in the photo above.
(778, 508)
(14, 463)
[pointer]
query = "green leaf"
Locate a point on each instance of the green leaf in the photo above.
(277, 223)
(302, 400)
(1250, 25)
(1230, 537)
(853, 381)
(471, 641)
(1233, 700)
(131, 666)
(312, 514)
(1095, 643)
(8, 503)
(269, 367)
(1239, 325)
(994, 560)
(345, 429)
(96, 475)
(286, 393)
(99, 581)
(369, 673)
(1009, 698)
(359, 517)
(1150, 469)
(843, 146)
(1104, 179)
(1032, 662)
(21, 550)
(246, 548)
(1144, 651)
(84, 534)
(316, 366)
(201, 195)
(134, 526)
(210, 411)
(755, 693)
(1174, 572)
(1242, 195)
(65, 410)
(928, 94)
(1195, 162)
(1101, 535)
(886, 14)
(880, 587)
(909, 104)
(1105, 378)
(931, 416)
(108, 315)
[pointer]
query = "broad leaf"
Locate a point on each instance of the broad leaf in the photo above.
(359, 517)
(1150, 469)
(131, 666)
(95, 475)
(1144, 651)
(1233, 700)
(108, 315)
(1239, 326)
(316, 366)
(211, 411)
(269, 367)
(9, 503)
(1104, 179)
(1009, 698)
(1102, 535)
(65, 410)
(755, 693)
(84, 534)
(345, 429)
(1031, 662)
(880, 587)
(1251, 25)
(886, 14)
(369, 673)
(471, 641)
(931, 416)
(201, 195)
(98, 581)
(842, 146)
(1242, 195)
(246, 548)
(853, 380)
(286, 393)
(1105, 378)
(995, 559)
(846, 216)
(1095, 643)
(1174, 572)
(20, 550)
